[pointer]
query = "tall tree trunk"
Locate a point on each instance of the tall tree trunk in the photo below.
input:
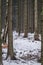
(42, 35)
(10, 34)
(30, 15)
(25, 19)
(22, 16)
(36, 35)
(4, 5)
(19, 16)
(0, 37)
(6, 22)
(42, 42)
(5, 26)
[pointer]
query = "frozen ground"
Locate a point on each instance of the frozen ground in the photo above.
(27, 50)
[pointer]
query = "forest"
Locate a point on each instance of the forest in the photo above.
(21, 32)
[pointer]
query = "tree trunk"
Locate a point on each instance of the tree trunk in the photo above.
(42, 35)
(10, 34)
(6, 22)
(19, 16)
(5, 33)
(0, 37)
(42, 43)
(36, 35)
(25, 19)
(22, 16)
(5, 5)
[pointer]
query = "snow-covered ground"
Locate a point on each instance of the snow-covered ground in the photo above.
(27, 50)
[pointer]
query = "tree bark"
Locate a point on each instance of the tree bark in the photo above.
(42, 43)
(36, 35)
(10, 34)
(22, 16)
(42, 34)
(0, 36)
(25, 19)
(19, 16)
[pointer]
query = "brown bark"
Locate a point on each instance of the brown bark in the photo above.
(10, 34)
(25, 19)
(0, 36)
(42, 35)
(36, 35)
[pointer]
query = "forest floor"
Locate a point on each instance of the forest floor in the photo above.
(27, 50)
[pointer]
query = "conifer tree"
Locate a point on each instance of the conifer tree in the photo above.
(36, 35)
(10, 34)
